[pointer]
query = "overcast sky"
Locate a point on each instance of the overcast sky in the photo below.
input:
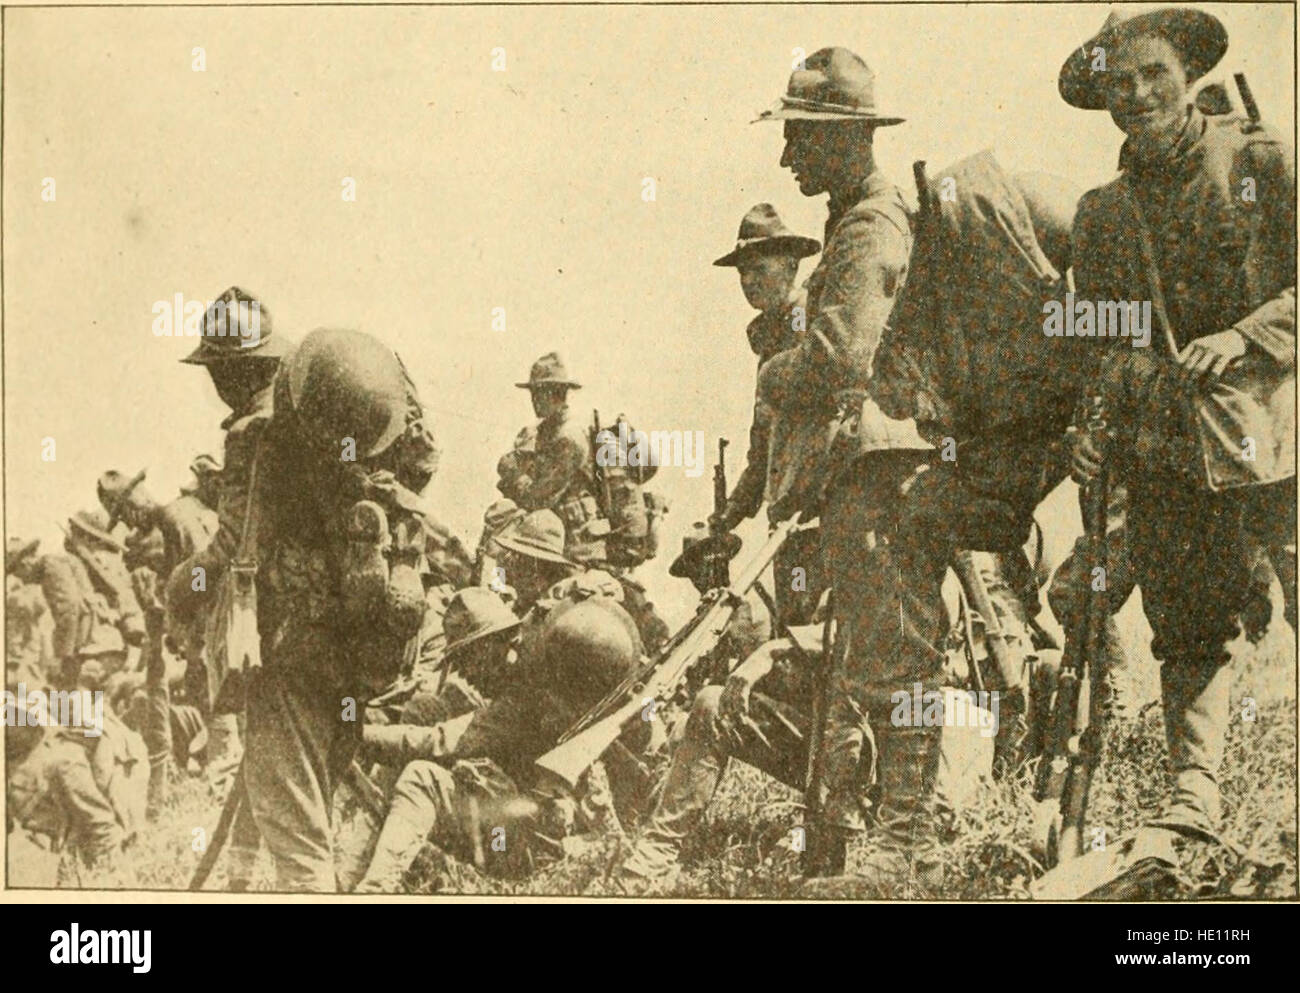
(475, 189)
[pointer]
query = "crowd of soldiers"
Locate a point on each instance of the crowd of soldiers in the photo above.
(298, 619)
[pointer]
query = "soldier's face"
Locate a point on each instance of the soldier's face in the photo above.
(547, 400)
(766, 280)
(1146, 91)
(806, 154)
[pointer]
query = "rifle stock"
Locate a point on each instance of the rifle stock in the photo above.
(576, 752)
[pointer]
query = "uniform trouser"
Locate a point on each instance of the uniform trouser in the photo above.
(1073, 582)
(157, 725)
(298, 746)
(889, 614)
(1192, 560)
(701, 758)
(797, 592)
(425, 803)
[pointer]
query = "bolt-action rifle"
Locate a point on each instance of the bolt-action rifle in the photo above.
(589, 738)
(1074, 748)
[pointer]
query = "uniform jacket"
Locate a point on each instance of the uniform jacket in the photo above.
(27, 638)
(68, 806)
(850, 295)
(770, 333)
(550, 460)
(1225, 259)
(85, 622)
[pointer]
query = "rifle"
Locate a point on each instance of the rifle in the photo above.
(602, 481)
(1247, 97)
(720, 565)
(602, 726)
(1066, 768)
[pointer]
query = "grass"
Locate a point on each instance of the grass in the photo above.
(743, 850)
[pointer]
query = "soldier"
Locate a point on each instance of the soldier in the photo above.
(89, 595)
(186, 525)
(550, 466)
(29, 650)
(71, 794)
(464, 780)
(816, 390)
(499, 516)
(241, 353)
(337, 535)
(1177, 229)
(533, 557)
(767, 255)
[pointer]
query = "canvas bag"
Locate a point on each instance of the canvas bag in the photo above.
(1245, 402)
(234, 643)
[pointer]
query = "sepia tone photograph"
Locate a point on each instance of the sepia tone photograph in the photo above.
(711, 452)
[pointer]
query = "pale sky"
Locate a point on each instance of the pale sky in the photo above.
(475, 189)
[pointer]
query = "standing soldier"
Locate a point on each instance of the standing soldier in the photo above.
(332, 526)
(186, 525)
(90, 597)
(767, 255)
(1201, 223)
(817, 390)
(550, 466)
(241, 354)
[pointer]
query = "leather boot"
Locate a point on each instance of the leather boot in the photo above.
(905, 863)
(1196, 702)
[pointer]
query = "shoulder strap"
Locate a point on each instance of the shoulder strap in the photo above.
(251, 510)
(1146, 246)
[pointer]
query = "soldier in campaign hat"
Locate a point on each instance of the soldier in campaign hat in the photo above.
(1219, 270)
(550, 465)
(767, 256)
(817, 390)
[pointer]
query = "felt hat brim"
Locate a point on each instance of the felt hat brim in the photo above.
(689, 562)
(480, 635)
(271, 347)
(550, 382)
(782, 244)
(98, 535)
(514, 544)
(1200, 38)
(787, 109)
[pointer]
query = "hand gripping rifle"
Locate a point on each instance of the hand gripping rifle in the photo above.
(1066, 769)
(602, 726)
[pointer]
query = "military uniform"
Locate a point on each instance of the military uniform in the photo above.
(550, 466)
(66, 796)
(27, 639)
(329, 632)
(1224, 262)
(459, 776)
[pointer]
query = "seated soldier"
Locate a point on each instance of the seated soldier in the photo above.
(78, 798)
(761, 716)
(469, 784)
